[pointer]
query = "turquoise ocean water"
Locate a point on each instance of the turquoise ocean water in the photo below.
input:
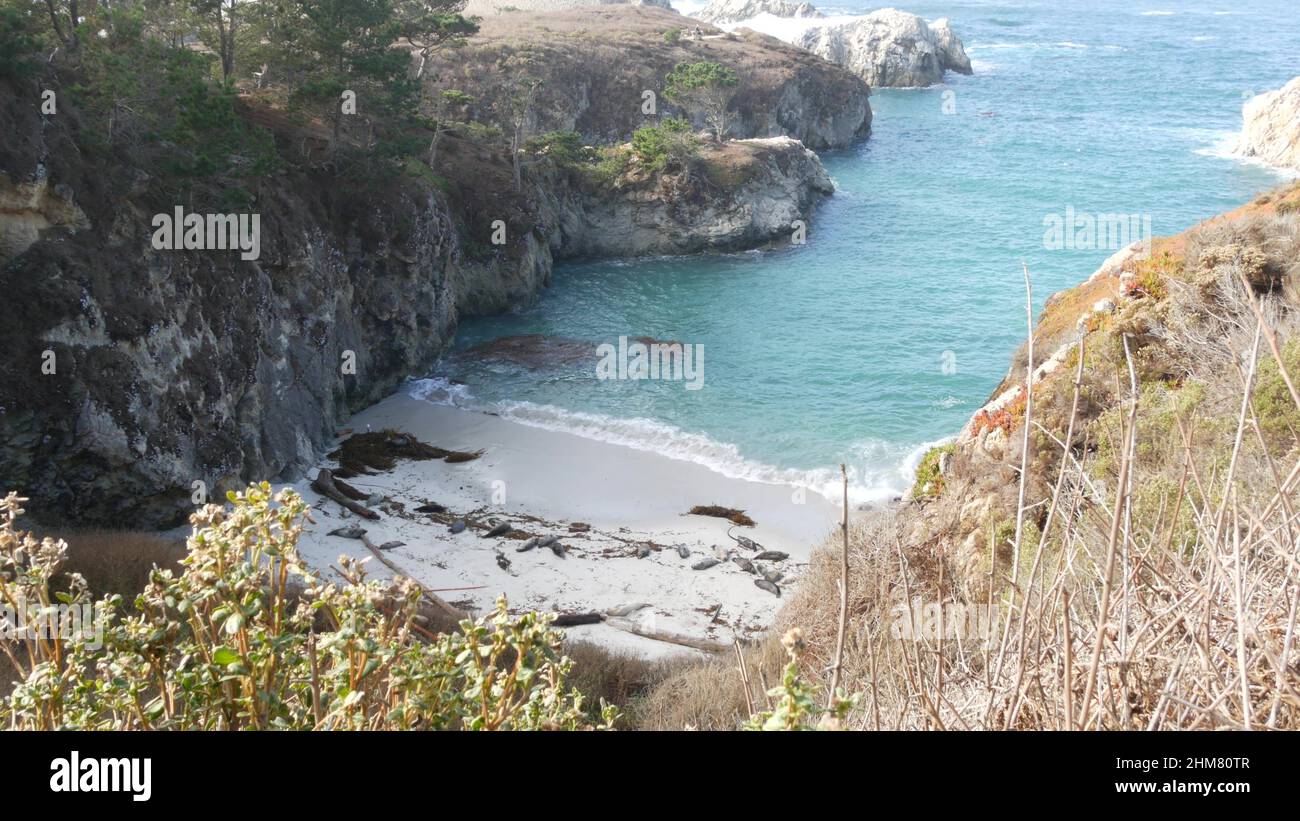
(836, 351)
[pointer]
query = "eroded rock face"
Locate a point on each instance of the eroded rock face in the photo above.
(1271, 127)
(743, 194)
(132, 373)
(734, 11)
(31, 208)
(597, 65)
(891, 48)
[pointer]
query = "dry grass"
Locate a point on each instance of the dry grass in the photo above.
(119, 561)
(709, 695)
(618, 677)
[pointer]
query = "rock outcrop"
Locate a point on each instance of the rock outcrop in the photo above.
(30, 208)
(598, 64)
(490, 8)
(735, 11)
(891, 48)
(1271, 127)
(737, 195)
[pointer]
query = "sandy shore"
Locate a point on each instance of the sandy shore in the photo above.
(543, 482)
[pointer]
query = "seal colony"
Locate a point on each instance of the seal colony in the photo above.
(595, 532)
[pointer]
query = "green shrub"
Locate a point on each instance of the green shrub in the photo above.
(135, 90)
(246, 637)
(565, 148)
(19, 41)
(1279, 420)
(704, 88)
(794, 702)
(655, 146)
(929, 482)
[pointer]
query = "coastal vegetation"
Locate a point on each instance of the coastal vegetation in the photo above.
(238, 633)
(705, 88)
(245, 636)
(656, 145)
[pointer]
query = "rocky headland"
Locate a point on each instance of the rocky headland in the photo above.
(596, 65)
(886, 48)
(891, 48)
(138, 377)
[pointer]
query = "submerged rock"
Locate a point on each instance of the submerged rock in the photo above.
(891, 48)
(533, 351)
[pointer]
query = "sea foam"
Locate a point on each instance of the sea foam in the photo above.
(878, 471)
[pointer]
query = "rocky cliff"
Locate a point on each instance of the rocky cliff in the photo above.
(739, 194)
(132, 373)
(1184, 312)
(891, 48)
(597, 66)
(1271, 127)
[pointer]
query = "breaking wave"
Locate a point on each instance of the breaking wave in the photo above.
(878, 471)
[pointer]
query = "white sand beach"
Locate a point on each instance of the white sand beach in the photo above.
(542, 482)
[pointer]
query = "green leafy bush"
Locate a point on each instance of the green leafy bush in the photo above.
(246, 637)
(565, 148)
(655, 146)
(18, 41)
(794, 705)
(705, 89)
(1279, 420)
(929, 481)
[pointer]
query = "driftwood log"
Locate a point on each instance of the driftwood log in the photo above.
(325, 485)
(636, 629)
(437, 601)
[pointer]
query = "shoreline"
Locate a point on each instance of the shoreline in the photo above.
(542, 482)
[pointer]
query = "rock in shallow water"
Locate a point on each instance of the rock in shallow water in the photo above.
(1271, 127)
(891, 48)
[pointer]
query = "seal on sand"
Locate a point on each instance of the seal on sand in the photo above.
(528, 545)
(349, 532)
(500, 530)
(764, 584)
